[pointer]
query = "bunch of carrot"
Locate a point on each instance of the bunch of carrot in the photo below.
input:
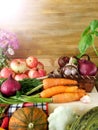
(61, 90)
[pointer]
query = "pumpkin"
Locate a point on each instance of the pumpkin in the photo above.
(1, 128)
(28, 118)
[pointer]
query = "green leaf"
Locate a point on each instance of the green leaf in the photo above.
(86, 31)
(85, 43)
(94, 25)
(96, 33)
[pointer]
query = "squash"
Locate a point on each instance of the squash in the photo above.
(28, 118)
(1, 128)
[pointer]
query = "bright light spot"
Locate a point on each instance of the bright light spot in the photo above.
(9, 9)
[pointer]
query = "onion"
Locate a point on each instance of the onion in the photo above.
(87, 67)
(63, 60)
(10, 87)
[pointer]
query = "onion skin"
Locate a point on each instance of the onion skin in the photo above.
(87, 68)
(10, 87)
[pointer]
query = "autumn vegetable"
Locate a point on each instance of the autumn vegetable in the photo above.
(63, 60)
(2, 128)
(87, 121)
(28, 118)
(50, 82)
(85, 66)
(10, 87)
(61, 118)
(67, 97)
(57, 90)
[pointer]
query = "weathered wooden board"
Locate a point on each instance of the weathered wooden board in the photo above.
(51, 28)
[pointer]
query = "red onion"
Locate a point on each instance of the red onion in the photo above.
(63, 60)
(87, 67)
(10, 87)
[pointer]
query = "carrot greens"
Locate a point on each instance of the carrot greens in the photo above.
(28, 84)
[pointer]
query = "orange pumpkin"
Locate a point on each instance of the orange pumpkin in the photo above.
(1, 128)
(28, 118)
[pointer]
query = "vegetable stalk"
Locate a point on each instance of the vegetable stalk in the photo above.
(22, 99)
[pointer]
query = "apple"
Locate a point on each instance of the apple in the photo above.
(19, 77)
(42, 72)
(33, 73)
(32, 62)
(18, 65)
(40, 65)
(6, 72)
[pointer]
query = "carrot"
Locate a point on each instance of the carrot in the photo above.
(49, 92)
(49, 82)
(67, 97)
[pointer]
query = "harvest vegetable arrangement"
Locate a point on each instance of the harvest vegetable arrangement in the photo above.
(26, 80)
(65, 82)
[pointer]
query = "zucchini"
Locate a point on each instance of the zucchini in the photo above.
(87, 121)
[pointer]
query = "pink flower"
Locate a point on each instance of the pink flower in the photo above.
(8, 39)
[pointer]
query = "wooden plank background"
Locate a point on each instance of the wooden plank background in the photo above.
(49, 29)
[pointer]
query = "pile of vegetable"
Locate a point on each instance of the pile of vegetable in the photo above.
(74, 77)
(81, 69)
(56, 90)
(61, 90)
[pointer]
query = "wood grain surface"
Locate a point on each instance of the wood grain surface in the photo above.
(48, 29)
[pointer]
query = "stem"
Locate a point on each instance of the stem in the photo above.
(36, 95)
(9, 101)
(95, 49)
(34, 89)
(22, 99)
(37, 99)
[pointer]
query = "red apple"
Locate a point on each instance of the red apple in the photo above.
(19, 77)
(40, 65)
(33, 73)
(6, 72)
(18, 65)
(32, 62)
(42, 72)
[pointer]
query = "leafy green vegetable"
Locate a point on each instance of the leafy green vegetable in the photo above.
(28, 84)
(88, 38)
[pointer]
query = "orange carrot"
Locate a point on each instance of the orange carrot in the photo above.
(49, 82)
(67, 97)
(49, 92)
